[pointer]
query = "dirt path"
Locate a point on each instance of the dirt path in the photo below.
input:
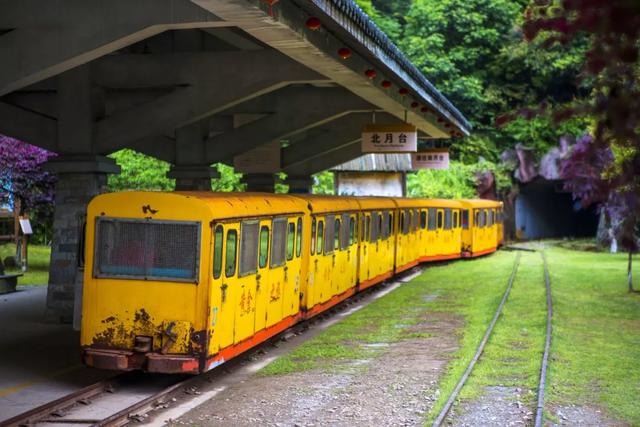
(394, 388)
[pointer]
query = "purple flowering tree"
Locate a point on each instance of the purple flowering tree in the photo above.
(22, 177)
(596, 176)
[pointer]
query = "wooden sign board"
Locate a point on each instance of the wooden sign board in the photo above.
(398, 138)
(263, 159)
(436, 158)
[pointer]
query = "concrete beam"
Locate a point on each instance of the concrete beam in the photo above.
(48, 38)
(296, 109)
(327, 160)
(335, 135)
(27, 126)
(212, 92)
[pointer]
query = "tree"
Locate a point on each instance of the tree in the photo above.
(612, 65)
(23, 179)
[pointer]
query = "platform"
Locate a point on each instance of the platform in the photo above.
(39, 358)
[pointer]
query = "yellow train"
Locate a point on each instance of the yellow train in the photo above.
(182, 282)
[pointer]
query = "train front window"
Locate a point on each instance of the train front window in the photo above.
(147, 250)
(217, 251)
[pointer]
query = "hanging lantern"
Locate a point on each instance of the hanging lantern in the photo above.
(386, 84)
(344, 52)
(425, 109)
(371, 73)
(448, 125)
(403, 91)
(414, 104)
(313, 23)
(440, 120)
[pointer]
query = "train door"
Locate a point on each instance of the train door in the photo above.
(275, 285)
(223, 297)
(440, 231)
(291, 270)
(432, 227)
(375, 263)
(245, 281)
(263, 279)
(457, 235)
(351, 236)
(422, 234)
(447, 233)
(365, 247)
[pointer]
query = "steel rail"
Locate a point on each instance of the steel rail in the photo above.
(454, 394)
(547, 344)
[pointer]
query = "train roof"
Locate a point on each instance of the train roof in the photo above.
(427, 203)
(480, 203)
(324, 204)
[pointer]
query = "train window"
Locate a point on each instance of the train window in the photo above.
(390, 222)
(344, 231)
(278, 241)
(379, 225)
(431, 219)
(448, 219)
(336, 234)
(299, 239)
(320, 235)
(423, 219)
(486, 217)
(440, 219)
(456, 224)
(230, 256)
(362, 228)
(374, 227)
(313, 236)
(263, 250)
(291, 240)
(217, 251)
(465, 219)
(248, 248)
(480, 220)
(416, 219)
(367, 231)
(476, 218)
(329, 235)
(402, 221)
(352, 230)
(410, 221)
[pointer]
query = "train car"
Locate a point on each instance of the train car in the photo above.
(333, 249)
(442, 222)
(181, 282)
(479, 227)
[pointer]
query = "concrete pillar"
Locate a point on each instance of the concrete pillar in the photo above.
(193, 178)
(260, 182)
(299, 184)
(80, 178)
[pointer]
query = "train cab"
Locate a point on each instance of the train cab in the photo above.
(182, 290)
(479, 227)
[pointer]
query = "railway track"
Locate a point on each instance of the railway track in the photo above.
(134, 396)
(442, 415)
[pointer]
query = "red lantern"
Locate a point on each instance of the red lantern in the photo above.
(403, 91)
(448, 125)
(425, 109)
(370, 73)
(313, 23)
(414, 104)
(344, 52)
(386, 84)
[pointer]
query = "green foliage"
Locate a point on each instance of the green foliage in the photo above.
(139, 172)
(323, 183)
(457, 182)
(229, 180)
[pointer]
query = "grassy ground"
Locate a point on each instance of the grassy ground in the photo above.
(596, 339)
(38, 272)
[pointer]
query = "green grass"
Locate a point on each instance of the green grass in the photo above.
(595, 354)
(38, 271)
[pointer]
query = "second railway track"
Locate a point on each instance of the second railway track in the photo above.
(442, 416)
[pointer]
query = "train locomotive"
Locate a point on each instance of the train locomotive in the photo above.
(182, 282)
